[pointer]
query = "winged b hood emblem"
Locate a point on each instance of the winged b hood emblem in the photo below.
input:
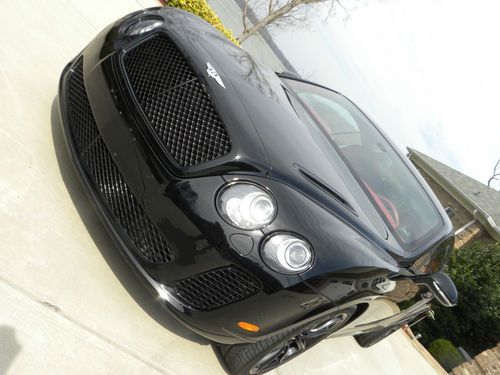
(213, 73)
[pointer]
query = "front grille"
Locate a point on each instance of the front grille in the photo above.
(175, 102)
(155, 67)
(217, 288)
(147, 240)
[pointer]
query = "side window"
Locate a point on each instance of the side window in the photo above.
(334, 118)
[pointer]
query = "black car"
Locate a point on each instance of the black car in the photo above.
(263, 211)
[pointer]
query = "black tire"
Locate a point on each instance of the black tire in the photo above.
(366, 340)
(243, 359)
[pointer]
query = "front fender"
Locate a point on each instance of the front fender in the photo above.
(338, 246)
(344, 258)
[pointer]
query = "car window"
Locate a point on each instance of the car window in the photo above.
(334, 118)
(389, 184)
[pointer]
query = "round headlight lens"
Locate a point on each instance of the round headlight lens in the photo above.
(246, 206)
(297, 255)
(143, 26)
(286, 253)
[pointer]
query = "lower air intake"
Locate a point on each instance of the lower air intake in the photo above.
(217, 288)
(128, 214)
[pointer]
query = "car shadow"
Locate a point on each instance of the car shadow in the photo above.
(105, 243)
(9, 347)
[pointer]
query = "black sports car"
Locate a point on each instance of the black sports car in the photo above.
(265, 212)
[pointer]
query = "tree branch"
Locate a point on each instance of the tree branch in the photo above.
(244, 16)
(278, 13)
(495, 173)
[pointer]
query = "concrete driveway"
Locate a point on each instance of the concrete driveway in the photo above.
(68, 302)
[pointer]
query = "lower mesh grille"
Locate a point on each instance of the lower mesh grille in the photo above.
(108, 181)
(217, 288)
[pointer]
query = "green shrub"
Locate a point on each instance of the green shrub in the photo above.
(445, 353)
(474, 323)
(203, 10)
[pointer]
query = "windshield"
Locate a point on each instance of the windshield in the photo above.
(386, 180)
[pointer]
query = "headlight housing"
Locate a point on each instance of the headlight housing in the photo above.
(287, 253)
(246, 205)
(144, 24)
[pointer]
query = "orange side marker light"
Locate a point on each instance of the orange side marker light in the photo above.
(249, 327)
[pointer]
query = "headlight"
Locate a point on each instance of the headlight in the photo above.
(286, 253)
(246, 206)
(145, 24)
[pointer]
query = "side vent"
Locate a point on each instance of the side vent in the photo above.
(325, 187)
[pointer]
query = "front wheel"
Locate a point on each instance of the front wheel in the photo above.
(270, 353)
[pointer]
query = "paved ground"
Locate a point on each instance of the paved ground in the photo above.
(68, 302)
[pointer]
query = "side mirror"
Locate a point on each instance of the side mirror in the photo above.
(441, 285)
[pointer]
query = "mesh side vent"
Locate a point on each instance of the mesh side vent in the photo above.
(217, 288)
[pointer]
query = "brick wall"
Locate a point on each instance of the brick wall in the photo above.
(405, 290)
(461, 217)
(473, 233)
(485, 363)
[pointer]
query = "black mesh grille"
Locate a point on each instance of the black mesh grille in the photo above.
(109, 182)
(156, 66)
(217, 288)
(175, 102)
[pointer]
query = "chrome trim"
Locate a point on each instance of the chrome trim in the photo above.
(441, 293)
